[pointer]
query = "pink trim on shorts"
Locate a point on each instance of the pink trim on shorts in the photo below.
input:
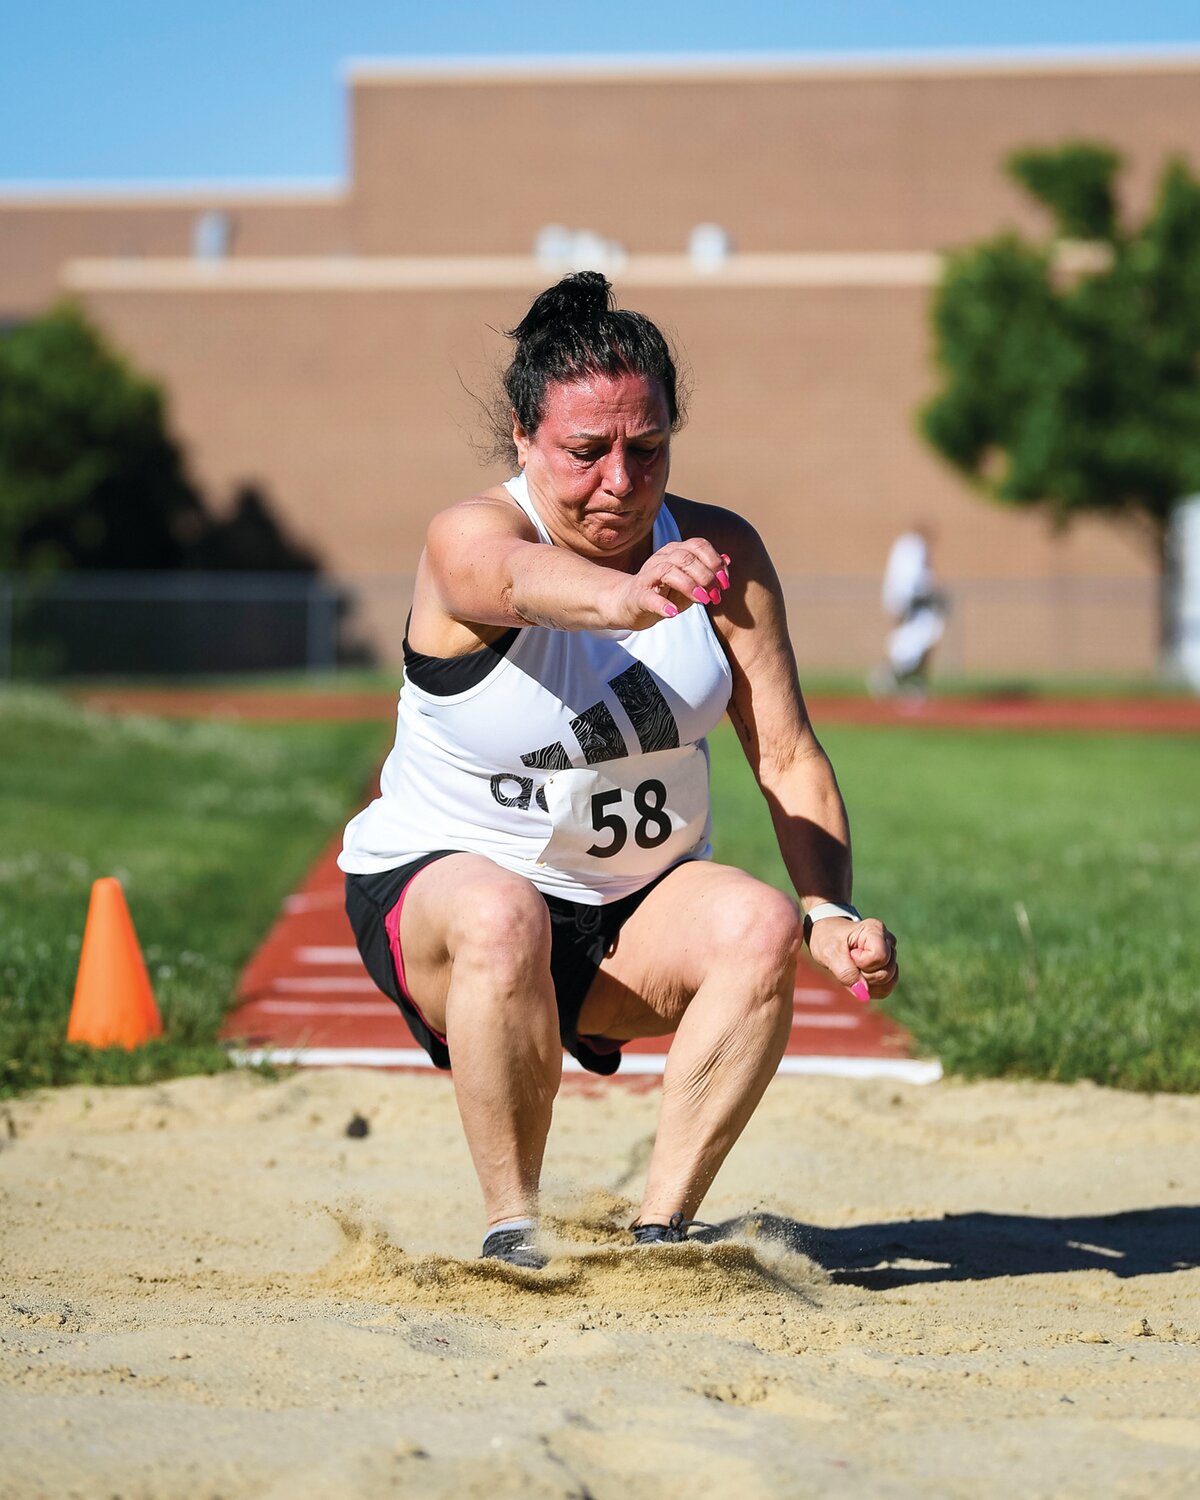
(391, 925)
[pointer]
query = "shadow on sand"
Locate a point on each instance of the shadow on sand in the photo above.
(979, 1246)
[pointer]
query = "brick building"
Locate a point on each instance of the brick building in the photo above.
(331, 344)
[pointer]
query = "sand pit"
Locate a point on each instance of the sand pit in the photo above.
(209, 1289)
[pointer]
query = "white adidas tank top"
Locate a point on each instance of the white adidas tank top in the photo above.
(579, 761)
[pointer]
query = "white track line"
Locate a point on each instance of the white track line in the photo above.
(343, 955)
(348, 954)
(361, 983)
(317, 984)
(386, 1008)
(326, 1007)
(904, 1070)
(383, 1007)
(311, 901)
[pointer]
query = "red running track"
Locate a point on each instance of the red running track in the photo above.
(306, 999)
(1108, 715)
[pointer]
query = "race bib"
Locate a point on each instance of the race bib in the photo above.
(627, 817)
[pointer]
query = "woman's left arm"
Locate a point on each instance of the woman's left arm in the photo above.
(795, 775)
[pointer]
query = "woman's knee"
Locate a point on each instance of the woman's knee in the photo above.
(759, 928)
(500, 923)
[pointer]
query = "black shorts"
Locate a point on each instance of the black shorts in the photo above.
(580, 938)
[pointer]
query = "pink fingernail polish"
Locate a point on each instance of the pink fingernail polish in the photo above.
(725, 559)
(723, 578)
(670, 610)
(714, 596)
(700, 595)
(860, 991)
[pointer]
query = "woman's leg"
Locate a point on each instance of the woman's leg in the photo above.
(476, 946)
(711, 956)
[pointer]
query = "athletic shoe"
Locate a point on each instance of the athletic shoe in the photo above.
(513, 1246)
(674, 1232)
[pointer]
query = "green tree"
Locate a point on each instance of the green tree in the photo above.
(1078, 390)
(89, 475)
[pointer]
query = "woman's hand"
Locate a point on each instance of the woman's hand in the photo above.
(669, 581)
(861, 955)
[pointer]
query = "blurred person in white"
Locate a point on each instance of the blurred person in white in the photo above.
(912, 598)
(537, 872)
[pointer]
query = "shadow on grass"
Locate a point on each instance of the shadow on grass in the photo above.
(979, 1246)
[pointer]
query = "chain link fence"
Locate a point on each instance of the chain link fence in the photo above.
(168, 624)
(181, 624)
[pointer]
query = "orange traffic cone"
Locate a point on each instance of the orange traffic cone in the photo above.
(114, 1004)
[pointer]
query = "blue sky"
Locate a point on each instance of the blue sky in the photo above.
(156, 90)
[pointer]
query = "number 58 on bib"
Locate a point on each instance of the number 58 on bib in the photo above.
(628, 817)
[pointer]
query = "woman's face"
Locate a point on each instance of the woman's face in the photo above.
(597, 466)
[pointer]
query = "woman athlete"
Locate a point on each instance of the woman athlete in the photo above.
(536, 873)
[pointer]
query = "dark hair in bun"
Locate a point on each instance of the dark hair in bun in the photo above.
(574, 330)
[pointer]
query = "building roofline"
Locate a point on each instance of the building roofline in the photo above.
(183, 193)
(683, 66)
(425, 273)
(459, 272)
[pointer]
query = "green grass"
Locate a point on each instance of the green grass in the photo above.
(1097, 838)
(1012, 685)
(842, 684)
(338, 680)
(1018, 685)
(207, 825)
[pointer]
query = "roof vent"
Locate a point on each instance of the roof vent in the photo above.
(557, 248)
(709, 247)
(212, 234)
(552, 246)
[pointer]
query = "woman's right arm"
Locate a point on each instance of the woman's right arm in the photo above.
(487, 570)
